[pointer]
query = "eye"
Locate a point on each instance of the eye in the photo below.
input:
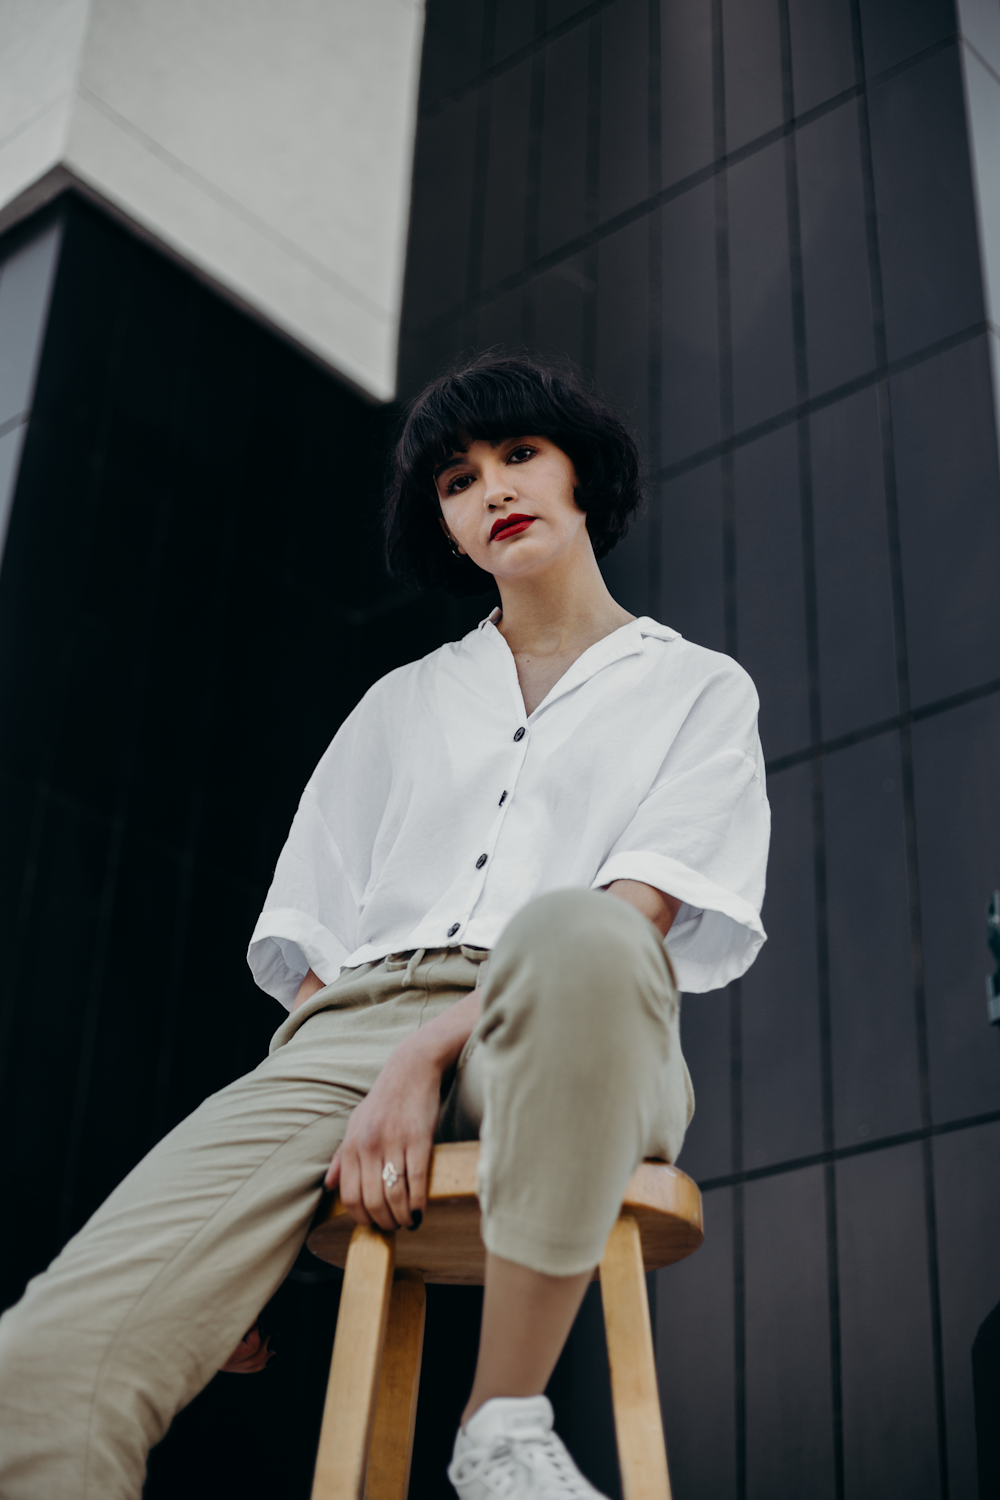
(458, 484)
(521, 454)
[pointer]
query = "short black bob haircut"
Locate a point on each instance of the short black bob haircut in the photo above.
(493, 397)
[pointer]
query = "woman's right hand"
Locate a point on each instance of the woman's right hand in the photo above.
(396, 1122)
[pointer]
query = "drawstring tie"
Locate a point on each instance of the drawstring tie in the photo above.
(416, 958)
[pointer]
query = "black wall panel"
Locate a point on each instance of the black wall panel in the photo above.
(790, 1447)
(624, 165)
(751, 39)
(891, 1443)
(689, 377)
(759, 288)
(623, 320)
(440, 215)
(781, 1084)
(770, 592)
(564, 301)
(839, 338)
(503, 232)
(854, 616)
(687, 141)
(876, 1083)
(515, 28)
(691, 577)
(703, 1400)
(949, 521)
(926, 218)
(567, 124)
(822, 48)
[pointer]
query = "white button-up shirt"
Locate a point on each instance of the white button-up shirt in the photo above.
(441, 807)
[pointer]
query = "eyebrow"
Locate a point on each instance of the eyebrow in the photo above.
(448, 463)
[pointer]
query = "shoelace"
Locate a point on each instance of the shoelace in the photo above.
(565, 1472)
(506, 1470)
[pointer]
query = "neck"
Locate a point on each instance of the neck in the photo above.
(567, 607)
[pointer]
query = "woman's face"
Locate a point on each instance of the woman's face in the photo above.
(511, 507)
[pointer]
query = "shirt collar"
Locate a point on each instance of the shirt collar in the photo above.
(626, 641)
(656, 630)
(646, 626)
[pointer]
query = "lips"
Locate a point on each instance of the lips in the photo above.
(510, 526)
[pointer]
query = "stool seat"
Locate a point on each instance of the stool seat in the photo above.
(366, 1440)
(448, 1248)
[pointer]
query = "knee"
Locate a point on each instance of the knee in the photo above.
(582, 944)
(577, 921)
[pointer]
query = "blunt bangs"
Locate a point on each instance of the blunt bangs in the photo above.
(490, 399)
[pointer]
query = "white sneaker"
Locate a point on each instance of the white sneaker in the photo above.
(508, 1451)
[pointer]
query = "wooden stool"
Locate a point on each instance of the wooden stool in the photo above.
(371, 1400)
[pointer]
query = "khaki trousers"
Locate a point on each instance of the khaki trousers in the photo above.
(573, 1074)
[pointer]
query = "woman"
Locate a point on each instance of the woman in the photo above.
(467, 923)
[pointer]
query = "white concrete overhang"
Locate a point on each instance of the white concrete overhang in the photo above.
(267, 146)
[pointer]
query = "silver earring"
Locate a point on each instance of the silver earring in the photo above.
(454, 547)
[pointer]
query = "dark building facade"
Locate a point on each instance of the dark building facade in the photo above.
(754, 222)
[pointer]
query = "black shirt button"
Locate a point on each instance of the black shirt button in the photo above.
(480, 861)
(519, 735)
(453, 928)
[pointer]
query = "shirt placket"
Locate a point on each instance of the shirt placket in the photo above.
(504, 796)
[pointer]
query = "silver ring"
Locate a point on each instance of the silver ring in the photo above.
(389, 1175)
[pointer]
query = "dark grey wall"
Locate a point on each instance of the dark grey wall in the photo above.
(753, 221)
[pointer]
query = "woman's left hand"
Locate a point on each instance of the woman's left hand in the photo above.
(250, 1355)
(395, 1125)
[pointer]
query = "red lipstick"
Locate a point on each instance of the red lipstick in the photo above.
(510, 526)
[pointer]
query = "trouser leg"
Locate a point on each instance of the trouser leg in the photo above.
(578, 1062)
(142, 1306)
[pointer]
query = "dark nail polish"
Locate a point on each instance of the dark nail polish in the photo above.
(417, 1219)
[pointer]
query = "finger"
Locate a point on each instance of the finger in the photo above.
(397, 1195)
(333, 1171)
(251, 1363)
(418, 1158)
(373, 1189)
(350, 1187)
(245, 1353)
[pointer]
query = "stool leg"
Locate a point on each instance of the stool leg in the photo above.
(354, 1368)
(388, 1475)
(642, 1452)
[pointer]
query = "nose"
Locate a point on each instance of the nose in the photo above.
(498, 488)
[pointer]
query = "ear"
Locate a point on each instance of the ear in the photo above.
(460, 551)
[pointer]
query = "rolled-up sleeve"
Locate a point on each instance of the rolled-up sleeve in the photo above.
(311, 913)
(701, 835)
